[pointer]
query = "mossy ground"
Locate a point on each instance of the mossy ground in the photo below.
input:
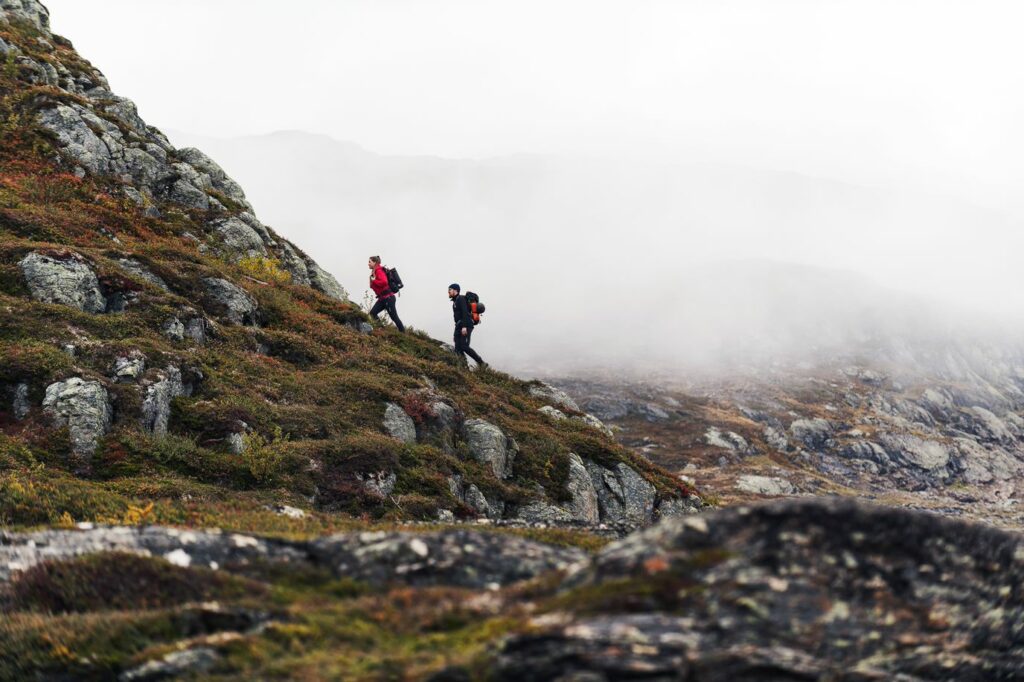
(67, 618)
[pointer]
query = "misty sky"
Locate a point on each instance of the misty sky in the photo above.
(924, 93)
(781, 170)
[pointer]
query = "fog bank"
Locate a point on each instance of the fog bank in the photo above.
(597, 263)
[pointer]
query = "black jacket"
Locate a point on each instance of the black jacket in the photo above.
(460, 310)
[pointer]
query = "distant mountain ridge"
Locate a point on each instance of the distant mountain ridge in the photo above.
(717, 248)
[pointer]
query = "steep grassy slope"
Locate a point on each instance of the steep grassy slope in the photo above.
(213, 415)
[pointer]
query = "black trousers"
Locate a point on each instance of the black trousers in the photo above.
(388, 304)
(462, 345)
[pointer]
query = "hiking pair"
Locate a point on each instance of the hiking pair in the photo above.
(466, 310)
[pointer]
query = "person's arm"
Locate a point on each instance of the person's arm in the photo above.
(465, 319)
(380, 278)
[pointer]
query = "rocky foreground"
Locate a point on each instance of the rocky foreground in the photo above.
(802, 589)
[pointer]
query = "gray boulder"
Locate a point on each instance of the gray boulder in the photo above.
(593, 422)
(88, 139)
(454, 557)
(20, 405)
(776, 438)
(156, 407)
(765, 485)
(477, 501)
(583, 506)
(173, 665)
(651, 412)
(982, 465)
(868, 451)
(199, 329)
(142, 272)
(220, 180)
(399, 424)
(231, 302)
(84, 408)
(988, 426)
(542, 512)
(555, 396)
(726, 440)
(68, 281)
(675, 506)
(923, 454)
(27, 10)
(129, 368)
(378, 483)
(489, 445)
(324, 281)
(293, 263)
(236, 442)
(472, 497)
(552, 413)
(173, 329)
(239, 239)
(813, 433)
(441, 425)
(623, 495)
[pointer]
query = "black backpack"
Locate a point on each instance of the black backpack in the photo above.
(394, 280)
(476, 308)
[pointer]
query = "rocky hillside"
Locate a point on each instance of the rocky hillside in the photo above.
(793, 590)
(938, 425)
(166, 357)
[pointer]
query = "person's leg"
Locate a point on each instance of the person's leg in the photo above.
(378, 308)
(469, 351)
(460, 344)
(393, 313)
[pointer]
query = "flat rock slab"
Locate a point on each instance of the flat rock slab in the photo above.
(457, 557)
(796, 589)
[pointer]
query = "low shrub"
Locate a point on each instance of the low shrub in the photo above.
(119, 581)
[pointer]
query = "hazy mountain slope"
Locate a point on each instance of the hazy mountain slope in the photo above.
(603, 248)
(167, 356)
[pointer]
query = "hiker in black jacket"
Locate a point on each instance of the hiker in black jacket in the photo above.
(463, 325)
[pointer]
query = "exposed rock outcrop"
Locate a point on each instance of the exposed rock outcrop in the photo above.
(817, 589)
(765, 485)
(472, 497)
(35, 13)
(84, 408)
(101, 133)
(623, 495)
(812, 433)
(20, 406)
(231, 302)
(142, 272)
(399, 424)
(555, 396)
(156, 408)
(456, 557)
(489, 445)
(238, 239)
(129, 368)
(583, 505)
(67, 280)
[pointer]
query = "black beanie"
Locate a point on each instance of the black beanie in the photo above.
(456, 287)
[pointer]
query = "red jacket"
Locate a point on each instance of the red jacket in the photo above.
(379, 283)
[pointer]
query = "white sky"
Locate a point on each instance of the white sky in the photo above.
(926, 93)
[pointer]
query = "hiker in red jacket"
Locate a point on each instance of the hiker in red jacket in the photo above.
(385, 297)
